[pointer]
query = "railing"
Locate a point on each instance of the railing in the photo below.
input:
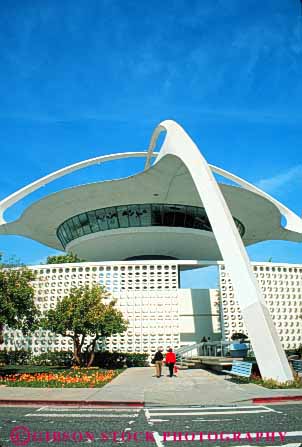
(209, 348)
(187, 348)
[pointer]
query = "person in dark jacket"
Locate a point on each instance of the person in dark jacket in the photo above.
(170, 361)
(158, 358)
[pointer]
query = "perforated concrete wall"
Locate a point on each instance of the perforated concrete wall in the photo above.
(146, 293)
(281, 285)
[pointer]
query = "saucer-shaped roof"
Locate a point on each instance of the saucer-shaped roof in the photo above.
(71, 218)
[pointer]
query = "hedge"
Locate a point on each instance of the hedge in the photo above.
(113, 360)
(106, 359)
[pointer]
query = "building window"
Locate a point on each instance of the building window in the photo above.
(142, 215)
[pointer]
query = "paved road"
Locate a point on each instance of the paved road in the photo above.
(67, 426)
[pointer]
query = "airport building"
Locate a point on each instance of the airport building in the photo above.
(159, 311)
(138, 233)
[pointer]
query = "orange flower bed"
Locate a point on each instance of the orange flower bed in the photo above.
(75, 377)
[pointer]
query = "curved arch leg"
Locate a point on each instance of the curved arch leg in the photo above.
(269, 352)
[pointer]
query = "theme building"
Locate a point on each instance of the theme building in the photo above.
(139, 230)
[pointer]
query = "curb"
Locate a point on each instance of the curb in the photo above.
(80, 403)
(263, 400)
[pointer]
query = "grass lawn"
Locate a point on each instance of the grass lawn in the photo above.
(51, 377)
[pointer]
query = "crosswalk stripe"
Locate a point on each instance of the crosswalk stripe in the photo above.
(291, 434)
(201, 413)
(157, 439)
(80, 415)
(199, 408)
(112, 410)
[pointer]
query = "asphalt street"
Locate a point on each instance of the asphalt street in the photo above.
(246, 425)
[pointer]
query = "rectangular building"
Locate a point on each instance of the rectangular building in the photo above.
(281, 286)
(159, 311)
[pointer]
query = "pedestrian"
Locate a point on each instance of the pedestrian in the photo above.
(158, 361)
(170, 361)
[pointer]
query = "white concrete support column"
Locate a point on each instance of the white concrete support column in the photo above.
(269, 352)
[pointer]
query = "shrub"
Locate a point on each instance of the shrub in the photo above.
(136, 359)
(274, 384)
(109, 360)
(18, 357)
(51, 358)
(116, 360)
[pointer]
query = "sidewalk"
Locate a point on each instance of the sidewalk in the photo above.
(138, 386)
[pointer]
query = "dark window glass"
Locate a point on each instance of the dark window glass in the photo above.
(93, 221)
(83, 218)
(73, 229)
(180, 215)
(190, 217)
(201, 220)
(61, 237)
(134, 215)
(145, 215)
(68, 231)
(168, 215)
(101, 219)
(78, 226)
(123, 216)
(63, 234)
(156, 214)
(111, 215)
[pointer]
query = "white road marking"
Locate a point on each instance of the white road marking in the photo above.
(283, 445)
(195, 413)
(80, 415)
(42, 408)
(271, 409)
(290, 434)
(148, 416)
(286, 445)
(213, 420)
(159, 420)
(65, 409)
(158, 439)
(233, 407)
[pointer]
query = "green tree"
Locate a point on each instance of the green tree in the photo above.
(62, 259)
(85, 312)
(17, 306)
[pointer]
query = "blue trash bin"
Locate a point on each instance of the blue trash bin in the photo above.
(238, 350)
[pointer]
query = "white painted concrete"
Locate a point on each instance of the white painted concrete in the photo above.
(270, 355)
(179, 157)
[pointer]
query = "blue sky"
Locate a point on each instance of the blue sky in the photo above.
(81, 79)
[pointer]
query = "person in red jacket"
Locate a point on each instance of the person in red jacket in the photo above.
(170, 360)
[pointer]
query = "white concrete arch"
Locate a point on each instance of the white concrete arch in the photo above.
(28, 189)
(293, 221)
(270, 355)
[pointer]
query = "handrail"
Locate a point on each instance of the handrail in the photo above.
(209, 348)
(186, 349)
